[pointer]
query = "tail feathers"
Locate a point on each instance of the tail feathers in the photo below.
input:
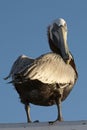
(15, 82)
(16, 79)
(7, 77)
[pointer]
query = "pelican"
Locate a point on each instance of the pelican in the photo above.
(48, 79)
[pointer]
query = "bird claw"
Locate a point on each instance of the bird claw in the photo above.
(37, 121)
(52, 122)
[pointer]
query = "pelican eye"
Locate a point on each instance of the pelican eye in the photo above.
(55, 27)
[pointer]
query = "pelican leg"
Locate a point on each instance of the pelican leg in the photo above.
(58, 103)
(59, 118)
(27, 109)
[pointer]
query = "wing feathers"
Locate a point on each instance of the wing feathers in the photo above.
(49, 68)
(20, 64)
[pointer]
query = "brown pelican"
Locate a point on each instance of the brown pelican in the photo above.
(48, 79)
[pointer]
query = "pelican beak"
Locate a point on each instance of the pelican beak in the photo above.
(63, 43)
(60, 40)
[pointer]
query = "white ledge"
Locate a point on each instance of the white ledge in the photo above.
(66, 125)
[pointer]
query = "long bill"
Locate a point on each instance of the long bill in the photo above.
(61, 42)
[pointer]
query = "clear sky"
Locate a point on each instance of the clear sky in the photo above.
(23, 30)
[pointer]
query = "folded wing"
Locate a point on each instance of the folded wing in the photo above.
(49, 68)
(21, 63)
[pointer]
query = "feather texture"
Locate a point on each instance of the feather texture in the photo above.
(49, 68)
(21, 63)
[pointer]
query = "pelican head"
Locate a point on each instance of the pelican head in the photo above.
(57, 35)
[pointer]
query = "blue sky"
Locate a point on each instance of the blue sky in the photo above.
(23, 30)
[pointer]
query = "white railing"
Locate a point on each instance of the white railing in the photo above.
(66, 125)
